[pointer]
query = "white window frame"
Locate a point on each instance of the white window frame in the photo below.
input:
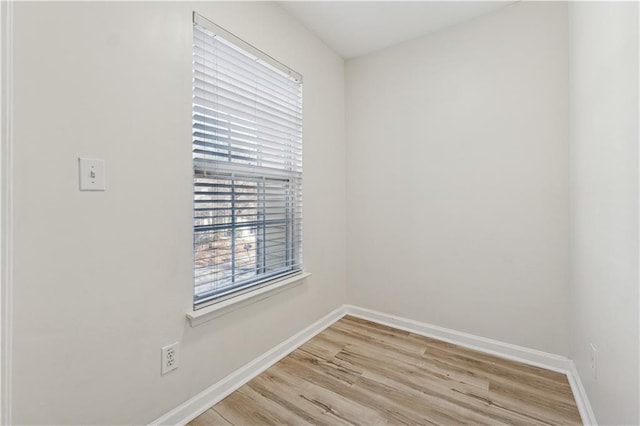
(284, 174)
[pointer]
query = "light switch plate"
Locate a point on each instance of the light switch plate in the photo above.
(91, 174)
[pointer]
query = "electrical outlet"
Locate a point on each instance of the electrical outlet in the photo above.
(170, 359)
(594, 362)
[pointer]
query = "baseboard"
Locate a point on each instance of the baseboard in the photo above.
(200, 403)
(494, 347)
(197, 405)
(580, 395)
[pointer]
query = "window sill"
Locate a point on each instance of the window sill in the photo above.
(218, 309)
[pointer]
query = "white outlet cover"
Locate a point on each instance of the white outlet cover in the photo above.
(91, 174)
(170, 358)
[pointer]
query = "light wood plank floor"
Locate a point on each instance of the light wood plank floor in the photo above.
(361, 373)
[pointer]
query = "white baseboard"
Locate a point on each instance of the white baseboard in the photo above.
(200, 403)
(580, 395)
(197, 405)
(494, 347)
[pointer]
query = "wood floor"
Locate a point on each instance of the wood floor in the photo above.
(362, 373)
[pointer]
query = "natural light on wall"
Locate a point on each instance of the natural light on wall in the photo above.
(247, 159)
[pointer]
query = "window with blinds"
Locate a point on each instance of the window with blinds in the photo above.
(247, 159)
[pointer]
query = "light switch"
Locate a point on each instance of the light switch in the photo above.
(91, 174)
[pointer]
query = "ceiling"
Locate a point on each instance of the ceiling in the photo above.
(355, 28)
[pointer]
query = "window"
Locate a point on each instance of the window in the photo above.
(247, 160)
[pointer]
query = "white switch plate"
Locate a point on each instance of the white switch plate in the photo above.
(91, 174)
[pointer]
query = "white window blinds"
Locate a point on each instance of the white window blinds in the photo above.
(247, 157)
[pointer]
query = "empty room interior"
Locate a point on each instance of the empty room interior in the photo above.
(247, 213)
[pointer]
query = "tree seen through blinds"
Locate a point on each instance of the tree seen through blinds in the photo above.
(247, 156)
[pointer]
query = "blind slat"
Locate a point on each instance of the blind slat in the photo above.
(217, 50)
(237, 110)
(251, 100)
(224, 67)
(266, 96)
(209, 116)
(240, 136)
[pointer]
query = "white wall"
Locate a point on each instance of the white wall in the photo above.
(103, 280)
(604, 204)
(458, 177)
